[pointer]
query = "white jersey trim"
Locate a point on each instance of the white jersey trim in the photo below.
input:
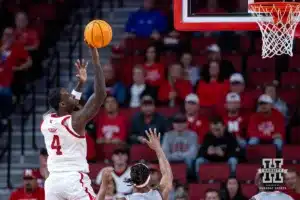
(67, 124)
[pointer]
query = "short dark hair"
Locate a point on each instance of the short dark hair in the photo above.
(212, 190)
(43, 152)
(139, 174)
(54, 98)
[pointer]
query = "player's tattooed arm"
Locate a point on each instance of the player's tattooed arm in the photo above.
(166, 183)
(90, 109)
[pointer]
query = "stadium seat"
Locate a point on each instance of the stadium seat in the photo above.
(105, 151)
(200, 60)
(290, 96)
(236, 60)
(43, 11)
(138, 60)
(197, 191)
(256, 63)
(294, 63)
(207, 112)
(259, 79)
(136, 45)
(246, 172)
(142, 152)
(200, 45)
(249, 190)
(245, 44)
(295, 135)
(179, 172)
(291, 153)
(256, 152)
(95, 168)
(168, 59)
(214, 171)
(166, 111)
(290, 79)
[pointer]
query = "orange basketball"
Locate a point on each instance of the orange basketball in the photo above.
(98, 33)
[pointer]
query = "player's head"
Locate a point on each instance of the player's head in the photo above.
(212, 194)
(139, 176)
(233, 102)
(61, 100)
(120, 156)
(30, 180)
(291, 178)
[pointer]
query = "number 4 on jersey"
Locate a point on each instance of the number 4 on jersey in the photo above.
(55, 145)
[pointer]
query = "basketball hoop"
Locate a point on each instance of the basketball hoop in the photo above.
(277, 22)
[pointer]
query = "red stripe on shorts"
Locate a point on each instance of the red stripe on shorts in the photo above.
(85, 188)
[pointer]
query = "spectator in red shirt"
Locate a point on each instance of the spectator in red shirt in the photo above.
(155, 71)
(235, 121)
(174, 90)
(13, 58)
(212, 88)
(111, 126)
(30, 190)
(195, 122)
(267, 124)
(292, 182)
(27, 36)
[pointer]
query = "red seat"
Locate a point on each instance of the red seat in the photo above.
(291, 96)
(168, 59)
(258, 45)
(294, 63)
(200, 60)
(249, 190)
(179, 172)
(290, 79)
(166, 111)
(105, 151)
(142, 152)
(138, 60)
(258, 152)
(214, 171)
(245, 44)
(295, 135)
(136, 45)
(95, 168)
(246, 172)
(256, 63)
(291, 153)
(199, 45)
(43, 11)
(197, 191)
(236, 60)
(259, 79)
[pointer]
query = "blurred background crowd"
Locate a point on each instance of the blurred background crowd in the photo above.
(219, 106)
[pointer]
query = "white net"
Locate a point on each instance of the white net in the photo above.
(277, 25)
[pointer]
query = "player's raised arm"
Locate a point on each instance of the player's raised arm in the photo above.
(106, 179)
(166, 182)
(90, 109)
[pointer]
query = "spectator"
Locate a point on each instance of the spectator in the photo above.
(28, 37)
(195, 122)
(155, 176)
(218, 146)
(145, 119)
(146, 22)
(174, 90)
(214, 54)
(120, 159)
(212, 88)
(191, 73)
(233, 190)
(237, 85)
(139, 88)
(113, 87)
(111, 126)
(278, 103)
(235, 121)
(292, 182)
(180, 144)
(30, 189)
(13, 58)
(155, 71)
(212, 194)
(267, 124)
(43, 170)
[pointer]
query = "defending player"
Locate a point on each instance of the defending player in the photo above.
(140, 175)
(64, 135)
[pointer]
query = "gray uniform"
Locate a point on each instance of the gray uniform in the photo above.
(151, 195)
(271, 196)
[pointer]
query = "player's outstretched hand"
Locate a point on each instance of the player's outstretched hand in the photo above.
(153, 139)
(81, 66)
(107, 175)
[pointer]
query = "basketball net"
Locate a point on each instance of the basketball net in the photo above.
(277, 23)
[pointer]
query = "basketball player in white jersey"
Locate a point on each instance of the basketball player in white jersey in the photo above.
(64, 135)
(140, 175)
(269, 194)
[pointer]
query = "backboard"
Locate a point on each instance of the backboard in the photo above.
(229, 15)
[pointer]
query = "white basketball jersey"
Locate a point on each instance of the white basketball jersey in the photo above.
(271, 196)
(67, 150)
(151, 195)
